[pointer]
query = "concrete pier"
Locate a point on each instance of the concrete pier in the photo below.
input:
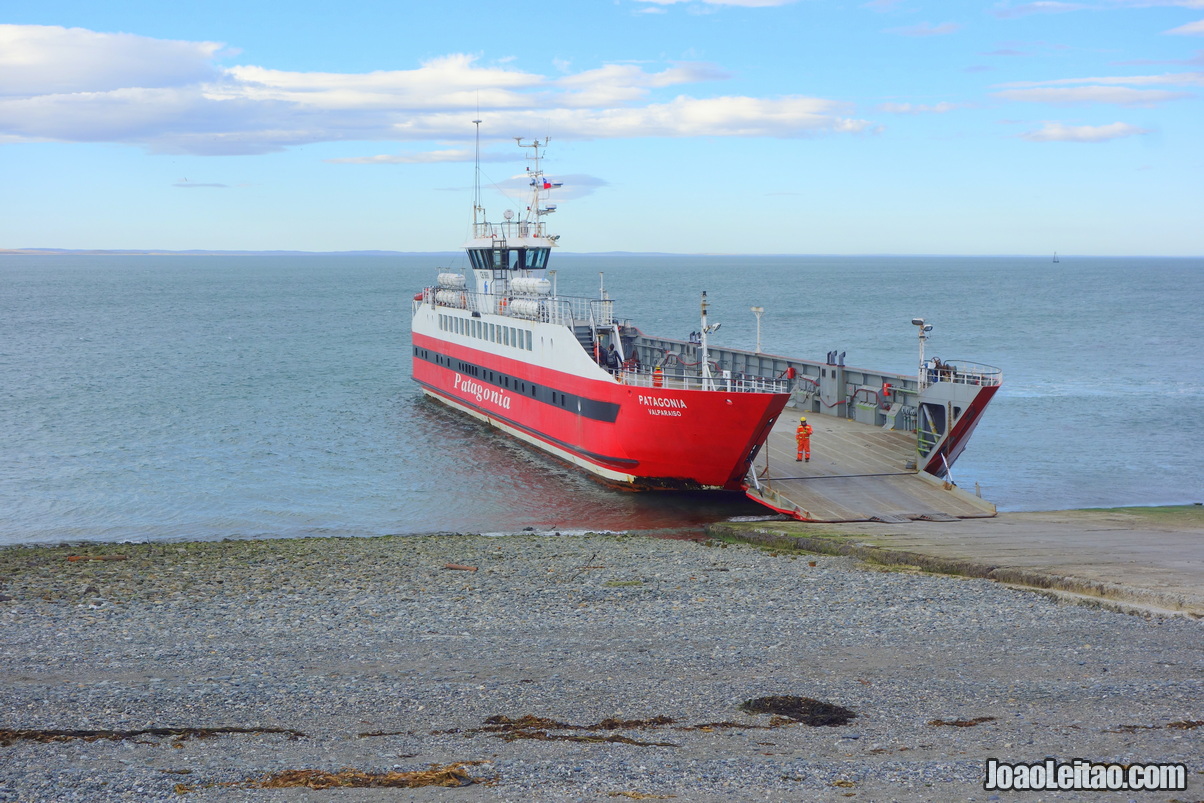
(1134, 559)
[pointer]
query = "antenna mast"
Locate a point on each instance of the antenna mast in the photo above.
(478, 213)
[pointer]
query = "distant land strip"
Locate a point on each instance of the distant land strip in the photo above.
(198, 252)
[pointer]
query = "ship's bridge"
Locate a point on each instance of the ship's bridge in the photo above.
(526, 254)
(512, 245)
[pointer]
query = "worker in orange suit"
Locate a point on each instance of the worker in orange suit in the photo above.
(802, 437)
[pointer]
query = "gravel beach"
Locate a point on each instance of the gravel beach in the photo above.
(210, 666)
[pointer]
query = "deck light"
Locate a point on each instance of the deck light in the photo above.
(758, 312)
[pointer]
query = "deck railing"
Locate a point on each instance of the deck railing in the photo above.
(680, 380)
(961, 372)
(563, 310)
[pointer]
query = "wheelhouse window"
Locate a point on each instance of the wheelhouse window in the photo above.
(509, 258)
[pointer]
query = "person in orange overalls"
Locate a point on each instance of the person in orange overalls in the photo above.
(802, 436)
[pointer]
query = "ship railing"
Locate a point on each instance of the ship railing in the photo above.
(726, 382)
(961, 372)
(564, 310)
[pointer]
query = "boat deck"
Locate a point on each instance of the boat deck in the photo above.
(857, 473)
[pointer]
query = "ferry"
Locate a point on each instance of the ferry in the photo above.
(498, 342)
(563, 374)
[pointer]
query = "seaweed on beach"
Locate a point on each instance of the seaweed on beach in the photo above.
(801, 709)
(451, 775)
(533, 727)
(1183, 725)
(12, 736)
(707, 727)
(530, 726)
(961, 723)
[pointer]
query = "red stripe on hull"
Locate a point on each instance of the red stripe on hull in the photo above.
(661, 438)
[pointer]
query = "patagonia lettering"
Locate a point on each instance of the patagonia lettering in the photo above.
(481, 393)
(659, 401)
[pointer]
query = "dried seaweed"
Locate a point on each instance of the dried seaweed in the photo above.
(1184, 725)
(11, 736)
(961, 723)
(529, 726)
(801, 709)
(706, 727)
(452, 775)
(533, 727)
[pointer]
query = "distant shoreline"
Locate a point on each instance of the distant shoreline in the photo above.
(202, 252)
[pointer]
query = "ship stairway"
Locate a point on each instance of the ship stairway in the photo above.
(857, 472)
(585, 336)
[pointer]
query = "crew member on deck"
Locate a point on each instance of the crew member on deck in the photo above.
(802, 437)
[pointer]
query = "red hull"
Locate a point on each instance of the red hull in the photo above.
(643, 437)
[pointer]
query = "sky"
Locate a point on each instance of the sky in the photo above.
(680, 126)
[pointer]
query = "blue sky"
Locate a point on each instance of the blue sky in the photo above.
(692, 126)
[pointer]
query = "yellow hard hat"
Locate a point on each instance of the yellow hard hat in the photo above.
(803, 420)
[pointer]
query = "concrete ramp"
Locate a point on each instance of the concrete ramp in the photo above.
(857, 472)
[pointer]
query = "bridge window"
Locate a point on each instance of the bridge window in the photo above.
(537, 258)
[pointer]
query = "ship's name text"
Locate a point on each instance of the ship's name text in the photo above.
(658, 401)
(482, 393)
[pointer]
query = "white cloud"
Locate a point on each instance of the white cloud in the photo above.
(1008, 11)
(1166, 79)
(621, 83)
(919, 108)
(449, 82)
(47, 59)
(1190, 29)
(173, 97)
(927, 29)
(429, 157)
(574, 186)
(1120, 95)
(1057, 132)
(1114, 89)
(682, 117)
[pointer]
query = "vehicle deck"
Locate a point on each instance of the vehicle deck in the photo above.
(857, 472)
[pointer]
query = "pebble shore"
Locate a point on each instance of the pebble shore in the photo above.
(373, 655)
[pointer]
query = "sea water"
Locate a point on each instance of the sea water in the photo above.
(207, 397)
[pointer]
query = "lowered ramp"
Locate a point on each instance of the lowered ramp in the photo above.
(857, 473)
